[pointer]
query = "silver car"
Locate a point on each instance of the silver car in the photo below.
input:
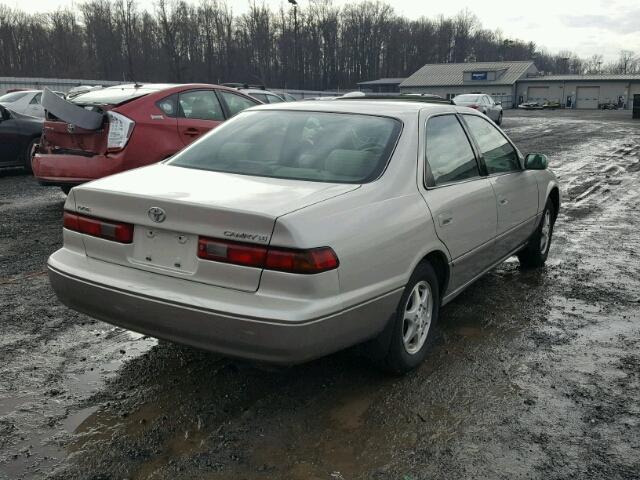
(483, 103)
(294, 231)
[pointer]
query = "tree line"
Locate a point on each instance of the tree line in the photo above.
(317, 45)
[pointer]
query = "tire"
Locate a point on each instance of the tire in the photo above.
(535, 253)
(28, 154)
(66, 188)
(499, 122)
(403, 356)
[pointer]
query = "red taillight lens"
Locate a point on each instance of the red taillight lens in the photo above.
(310, 261)
(97, 227)
(474, 106)
(231, 252)
(315, 260)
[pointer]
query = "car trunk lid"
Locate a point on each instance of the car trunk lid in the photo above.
(170, 207)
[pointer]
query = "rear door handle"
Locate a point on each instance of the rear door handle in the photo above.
(445, 219)
(192, 131)
(503, 201)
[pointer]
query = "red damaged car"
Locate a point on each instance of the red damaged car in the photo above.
(107, 131)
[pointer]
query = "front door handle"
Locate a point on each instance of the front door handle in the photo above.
(503, 201)
(445, 219)
(192, 131)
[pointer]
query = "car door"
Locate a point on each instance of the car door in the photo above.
(459, 197)
(10, 139)
(516, 189)
(491, 108)
(198, 112)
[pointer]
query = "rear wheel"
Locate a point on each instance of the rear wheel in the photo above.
(499, 122)
(28, 153)
(535, 253)
(414, 321)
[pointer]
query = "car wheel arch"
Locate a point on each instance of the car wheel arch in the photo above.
(440, 263)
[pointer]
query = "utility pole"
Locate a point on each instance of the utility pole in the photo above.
(296, 63)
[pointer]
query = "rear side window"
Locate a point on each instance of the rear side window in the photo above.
(260, 96)
(200, 105)
(169, 105)
(499, 155)
(450, 157)
(236, 103)
(315, 146)
(36, 99)
(12, 97)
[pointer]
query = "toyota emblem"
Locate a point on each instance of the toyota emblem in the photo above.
(157, 214)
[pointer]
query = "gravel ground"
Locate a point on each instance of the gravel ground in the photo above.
(535, 374)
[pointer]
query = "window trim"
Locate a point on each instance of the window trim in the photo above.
(481, 155)
(427, 180)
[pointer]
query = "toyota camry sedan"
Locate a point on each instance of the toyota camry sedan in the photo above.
(296, 230)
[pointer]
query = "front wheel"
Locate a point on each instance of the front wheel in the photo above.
(28, 153)
(535, 253)
(414, 321)
(499, 122)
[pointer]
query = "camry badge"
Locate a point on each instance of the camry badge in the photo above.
(157, 214)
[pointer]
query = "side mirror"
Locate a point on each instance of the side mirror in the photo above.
(498, 103)
(536, 161)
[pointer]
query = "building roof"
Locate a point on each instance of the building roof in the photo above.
(452, 74)
(588, 78)
(383, 81)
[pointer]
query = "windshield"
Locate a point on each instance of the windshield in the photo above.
(12, 97)
(466, 98)
(315, 146)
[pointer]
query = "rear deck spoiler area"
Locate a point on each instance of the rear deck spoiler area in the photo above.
(70, 112)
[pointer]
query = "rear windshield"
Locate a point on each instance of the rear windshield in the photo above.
(467, 98)
(315, 146)
(112, 95)
(12, 97)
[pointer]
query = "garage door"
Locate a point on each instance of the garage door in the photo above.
(538, 94)
(587, 97)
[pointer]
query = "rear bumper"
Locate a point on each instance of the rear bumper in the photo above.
(50, 169)
(146, 309)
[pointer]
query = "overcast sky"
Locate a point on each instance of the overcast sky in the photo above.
(586, 27)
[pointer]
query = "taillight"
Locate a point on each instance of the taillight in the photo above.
(314, 260)
(120, 128)
(97, 227)
(474, 106)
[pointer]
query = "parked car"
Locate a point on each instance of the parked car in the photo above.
(287, 97)
(530, 106)
(19, 137)
(25, 102)
(128, 126)
(293, 232)
(482, 103)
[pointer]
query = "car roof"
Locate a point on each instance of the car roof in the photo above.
(388, 108)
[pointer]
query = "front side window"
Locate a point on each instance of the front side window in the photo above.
(260, 96)
(450, 157)
(314, 146)
(499, 155)
(236, 103)
(200, 105)
(274, 99)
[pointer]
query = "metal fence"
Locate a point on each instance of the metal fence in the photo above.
(65, 84)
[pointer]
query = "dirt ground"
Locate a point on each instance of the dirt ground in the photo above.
(535, 374)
